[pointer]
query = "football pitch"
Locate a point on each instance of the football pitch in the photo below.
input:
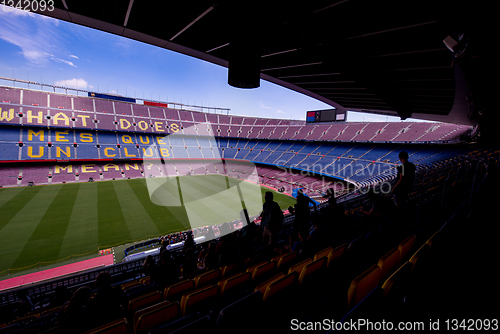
(43, 225)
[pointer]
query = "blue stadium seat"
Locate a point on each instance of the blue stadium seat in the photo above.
(9, 151)
(10, 134)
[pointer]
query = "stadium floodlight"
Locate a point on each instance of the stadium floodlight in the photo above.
(208, 199)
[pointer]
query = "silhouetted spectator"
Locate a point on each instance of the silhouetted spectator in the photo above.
(164, 245)
(226, 249)
(105, 305)
(372, 214)
(224, 229)
(24, 304)
(148, 265)
(272, 219)
(189, 242)
(319, 236)
(405, 179)
(166, 273)
(74, 315)
(211, 259)
(210, 235)
(333, 216)
(302, 214)
(247, 234)
(61, 295)
(302, 245)
(202, 252)
(189, 264)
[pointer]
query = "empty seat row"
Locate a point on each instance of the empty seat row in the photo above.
(385, 285)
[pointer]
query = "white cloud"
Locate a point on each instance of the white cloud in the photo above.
(63, 61)
(124, 43)
(33, 55)
(73, 83)
(73, 56)
(7, 10)
(263, 106)
(35, 35)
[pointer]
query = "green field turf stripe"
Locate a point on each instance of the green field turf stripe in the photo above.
(247, 192)
(215, 208)
(112, 226)
(199, 188)
(17, 232)
(19, 197)
(137, 218)
(211, 184)
(81, 235)
(45, 242)
(7, 194)
(194, 188)
(164, 191)
(166, 219)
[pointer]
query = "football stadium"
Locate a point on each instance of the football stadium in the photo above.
(121, 214)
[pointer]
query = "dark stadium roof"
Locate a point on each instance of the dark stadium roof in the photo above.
(385, 57)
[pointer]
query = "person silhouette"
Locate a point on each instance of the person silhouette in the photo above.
(405, 179)
(272, 219)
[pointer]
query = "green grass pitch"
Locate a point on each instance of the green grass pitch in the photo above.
(53, 222)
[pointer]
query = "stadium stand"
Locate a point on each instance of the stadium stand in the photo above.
(59, 101)
(111, 171)
(370, 267)
(9, 175)
(35, 174)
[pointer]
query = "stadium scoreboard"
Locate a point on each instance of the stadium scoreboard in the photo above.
(326, 115)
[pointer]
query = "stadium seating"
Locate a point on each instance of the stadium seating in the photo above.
(285, 261)
(117, 326)
(336, 255)
(234, 283)
(144, 300)
(299, 266)
(35, 174)
(209, 277)
(279, 286)
(9, 176)
(323, 253)
(312, 270)
(273, 289)
(113, 115)
(235, 315)
(175, 291)
(150, 317)
(261, 271)
(394, 285)
(231, 269)
(198, 299)
(388, 263)
(362, 285)
(406, 247)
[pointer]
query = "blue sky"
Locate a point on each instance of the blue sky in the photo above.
(42, 49)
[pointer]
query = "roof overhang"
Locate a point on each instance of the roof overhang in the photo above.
(383, 58)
